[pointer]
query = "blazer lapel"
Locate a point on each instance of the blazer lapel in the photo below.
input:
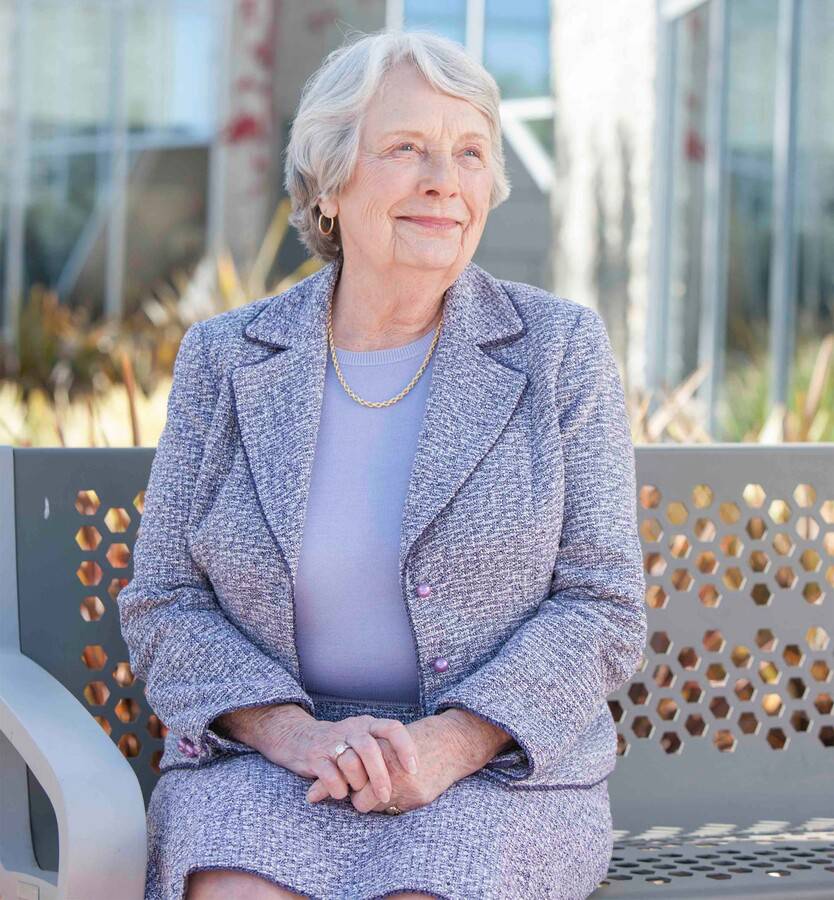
(470, 399)
(278, 404)
(278, 401)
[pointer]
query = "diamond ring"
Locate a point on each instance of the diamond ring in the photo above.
(340, 749)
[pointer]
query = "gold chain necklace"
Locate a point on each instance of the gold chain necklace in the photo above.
(351, 394)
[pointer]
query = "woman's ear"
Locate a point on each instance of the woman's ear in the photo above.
(327, 207)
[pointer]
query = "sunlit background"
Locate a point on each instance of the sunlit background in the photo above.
(671, 162)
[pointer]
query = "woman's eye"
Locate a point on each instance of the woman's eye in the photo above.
(410, 145)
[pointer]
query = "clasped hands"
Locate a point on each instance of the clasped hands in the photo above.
(375, 772)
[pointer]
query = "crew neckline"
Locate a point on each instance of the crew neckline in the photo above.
(387, 355)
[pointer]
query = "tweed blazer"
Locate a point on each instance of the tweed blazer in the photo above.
(520, 514)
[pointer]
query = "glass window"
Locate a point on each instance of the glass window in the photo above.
(751, 98)
(5, 173)
(171, 120)
(689, 108)
(162, 54)
(66, 219)
(6, 125)
(68, 77)
(178, 96)
(68, 83)
(749, 91)
(814, 220)
(446, 17)
(166, 216)
(517, 46)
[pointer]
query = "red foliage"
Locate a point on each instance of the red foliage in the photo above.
(244, 127)
(694, 148)
(264, 52)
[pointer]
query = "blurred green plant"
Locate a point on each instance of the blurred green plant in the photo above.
(62, 355)
(746, 413)
(86, 383)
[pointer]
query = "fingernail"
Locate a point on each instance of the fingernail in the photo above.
(412, 765)
(386, 796)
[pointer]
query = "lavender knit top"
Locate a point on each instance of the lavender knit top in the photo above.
(352, 630)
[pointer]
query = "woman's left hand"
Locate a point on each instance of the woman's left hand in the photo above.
(441, 748)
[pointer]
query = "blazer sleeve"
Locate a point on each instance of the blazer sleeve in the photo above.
(586, 639)
(195, 662)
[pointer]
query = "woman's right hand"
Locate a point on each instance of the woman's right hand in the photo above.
(305, 746)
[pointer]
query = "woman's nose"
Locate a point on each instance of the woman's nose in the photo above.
(441, 173)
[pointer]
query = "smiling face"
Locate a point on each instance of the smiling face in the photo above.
(419, 195)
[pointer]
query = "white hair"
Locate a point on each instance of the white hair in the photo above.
(324, 136)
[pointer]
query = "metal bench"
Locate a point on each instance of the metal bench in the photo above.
(725, 783)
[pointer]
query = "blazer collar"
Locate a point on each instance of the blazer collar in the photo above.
(278, 401)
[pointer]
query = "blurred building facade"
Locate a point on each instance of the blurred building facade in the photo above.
(694, 198)
(671, 161)
(742, 275)
(138, 135)
(111, 162)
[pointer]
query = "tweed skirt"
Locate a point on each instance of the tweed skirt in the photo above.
(479, 839)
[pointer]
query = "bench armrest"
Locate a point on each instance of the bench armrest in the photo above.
(97, 799)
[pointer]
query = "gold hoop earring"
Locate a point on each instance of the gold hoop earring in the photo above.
(332, 223)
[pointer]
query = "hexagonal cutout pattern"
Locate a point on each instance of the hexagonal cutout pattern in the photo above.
(740, 562)
(104, 535)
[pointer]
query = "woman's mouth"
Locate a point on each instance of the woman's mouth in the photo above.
(431, 223)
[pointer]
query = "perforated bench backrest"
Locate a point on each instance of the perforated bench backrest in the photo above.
(76, 516)
(729, 719)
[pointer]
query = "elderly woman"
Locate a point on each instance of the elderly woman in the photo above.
(388, 568)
